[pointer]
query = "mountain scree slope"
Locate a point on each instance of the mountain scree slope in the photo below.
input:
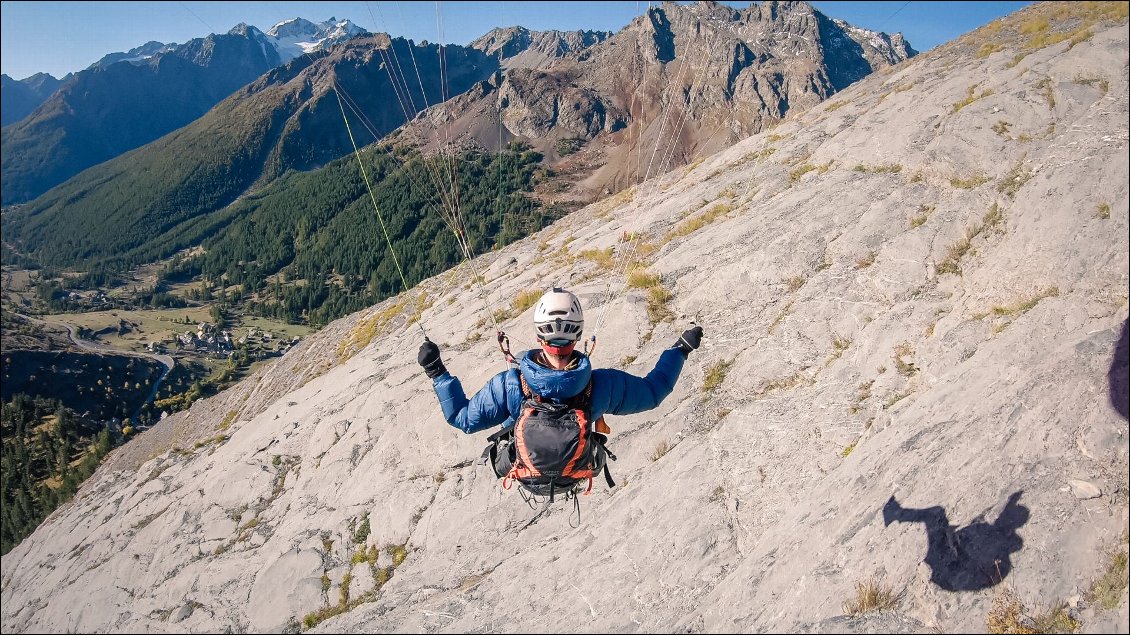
(913, 377)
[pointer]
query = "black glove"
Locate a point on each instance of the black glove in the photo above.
(429, 359)
(690, 340)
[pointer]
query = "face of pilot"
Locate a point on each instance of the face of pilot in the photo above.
(558, 352)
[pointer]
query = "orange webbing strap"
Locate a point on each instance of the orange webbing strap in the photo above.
(586, 446)
(523, 466)
(526, 392)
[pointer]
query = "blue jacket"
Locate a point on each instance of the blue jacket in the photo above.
(613, 391)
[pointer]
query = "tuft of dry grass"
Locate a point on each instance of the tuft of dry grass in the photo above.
(988, 49)
(972, 96)
(863, 393)
(1103, 211)
(601, 257)
(795, 282)
(229, 419)
(1048, 92)
(1015, 179)
(885, 168)
(696, 223)
(866, 261)
(1021, 307)
(993, 218)
(906, 369)
(526, 299)
(870, 595)
(1056, 620)
(397, 552)
(658, 304)
(716, 374)
(839, 345)
(661, 449)
(780, 317)
(758, 156)
(1107, 590)
(796, 173)
(641, 278)
(368, 328)
(423, 303)
(975, 181)
(784, 383)
(897, 89)
(1007, 614)
(897, 397)
(923, 215)
(1094, 82)
(952, 262)
(218, 439)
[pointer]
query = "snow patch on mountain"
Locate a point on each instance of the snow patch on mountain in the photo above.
(295, 37)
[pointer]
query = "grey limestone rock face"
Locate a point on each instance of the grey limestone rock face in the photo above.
(913, 314)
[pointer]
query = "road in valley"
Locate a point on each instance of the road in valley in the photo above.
(72, 333)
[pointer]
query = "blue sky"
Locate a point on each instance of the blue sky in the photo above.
(61, 37)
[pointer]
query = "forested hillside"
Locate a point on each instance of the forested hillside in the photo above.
(48, 451)
(311, 247)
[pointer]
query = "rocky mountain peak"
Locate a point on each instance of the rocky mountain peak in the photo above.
(293, 27)
(774, 10)
(736, 71)
(519, 47)
(137, 54)
(245, 30)
(21, 97)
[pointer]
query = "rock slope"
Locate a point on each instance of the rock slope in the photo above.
(914, 375)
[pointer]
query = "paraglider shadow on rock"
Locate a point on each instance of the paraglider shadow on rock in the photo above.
(971, 558)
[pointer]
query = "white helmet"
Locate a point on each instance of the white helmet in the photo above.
(558, 316)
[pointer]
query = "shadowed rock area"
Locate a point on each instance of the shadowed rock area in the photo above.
(914, 294)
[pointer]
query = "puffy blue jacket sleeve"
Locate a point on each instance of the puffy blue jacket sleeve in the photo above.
(488, 407)
(629, 394)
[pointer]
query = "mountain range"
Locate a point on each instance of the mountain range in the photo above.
(723, 72)
(734, 73)
(126, 100)
(908, 413)
(21, 97)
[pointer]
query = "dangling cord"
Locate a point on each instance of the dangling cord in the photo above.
(590, 351)
(577, 510)
(504, 346)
